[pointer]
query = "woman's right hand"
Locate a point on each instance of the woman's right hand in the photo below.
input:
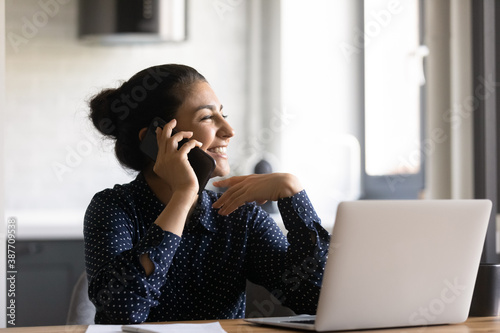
(172, 164)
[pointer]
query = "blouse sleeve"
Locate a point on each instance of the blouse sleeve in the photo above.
(290, 267)
(118, 285)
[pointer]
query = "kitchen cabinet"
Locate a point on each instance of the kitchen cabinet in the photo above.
(47, 271)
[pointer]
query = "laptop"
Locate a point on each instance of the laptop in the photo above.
(398, 264)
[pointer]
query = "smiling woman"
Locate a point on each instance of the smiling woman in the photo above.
(201, 112)
(157, 248)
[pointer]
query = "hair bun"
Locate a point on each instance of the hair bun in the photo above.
(101, 113)
(121, 113)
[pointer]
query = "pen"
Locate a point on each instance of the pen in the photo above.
(136, 329)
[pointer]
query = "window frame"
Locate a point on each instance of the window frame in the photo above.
(485, 50)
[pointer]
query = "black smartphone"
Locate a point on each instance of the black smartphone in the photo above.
(202, 163)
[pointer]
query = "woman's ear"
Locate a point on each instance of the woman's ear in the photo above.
(142, 133)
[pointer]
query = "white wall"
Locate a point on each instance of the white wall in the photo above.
(54, 160)
(321, 99)
(2, 188)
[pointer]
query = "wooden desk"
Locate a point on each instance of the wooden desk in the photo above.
(472, 325)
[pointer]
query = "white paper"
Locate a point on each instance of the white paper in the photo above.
(104, 329)
(160, 328)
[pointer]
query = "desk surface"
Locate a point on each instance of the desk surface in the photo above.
(472, 325)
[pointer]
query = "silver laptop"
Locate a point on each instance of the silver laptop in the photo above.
(398, 264)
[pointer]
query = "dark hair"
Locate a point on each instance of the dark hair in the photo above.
(122, 112)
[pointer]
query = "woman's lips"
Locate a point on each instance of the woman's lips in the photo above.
(220, 151)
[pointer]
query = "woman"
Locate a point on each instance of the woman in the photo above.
(156, 250)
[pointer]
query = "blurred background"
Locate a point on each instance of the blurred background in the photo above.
(374, 99)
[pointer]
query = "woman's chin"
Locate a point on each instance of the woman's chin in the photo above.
(220, 172)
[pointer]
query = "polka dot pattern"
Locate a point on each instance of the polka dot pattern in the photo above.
(201, 275)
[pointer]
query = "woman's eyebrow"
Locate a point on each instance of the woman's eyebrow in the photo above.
(211, 107)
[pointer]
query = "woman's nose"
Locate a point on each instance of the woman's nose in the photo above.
(226, 130)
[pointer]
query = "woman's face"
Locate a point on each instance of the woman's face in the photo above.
(202, 114)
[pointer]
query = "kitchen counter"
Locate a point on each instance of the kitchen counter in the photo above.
(44, 225)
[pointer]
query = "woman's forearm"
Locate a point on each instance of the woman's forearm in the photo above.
(172, 219)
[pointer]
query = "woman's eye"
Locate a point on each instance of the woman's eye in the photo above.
(209, 117)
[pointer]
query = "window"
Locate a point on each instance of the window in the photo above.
(394, 79)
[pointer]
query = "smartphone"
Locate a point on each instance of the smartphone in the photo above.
(202, 163)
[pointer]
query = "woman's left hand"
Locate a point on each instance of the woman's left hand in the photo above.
(258, 187)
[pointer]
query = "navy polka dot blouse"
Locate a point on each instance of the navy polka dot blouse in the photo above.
(201, 275)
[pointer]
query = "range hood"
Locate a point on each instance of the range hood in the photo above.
(132, 21)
